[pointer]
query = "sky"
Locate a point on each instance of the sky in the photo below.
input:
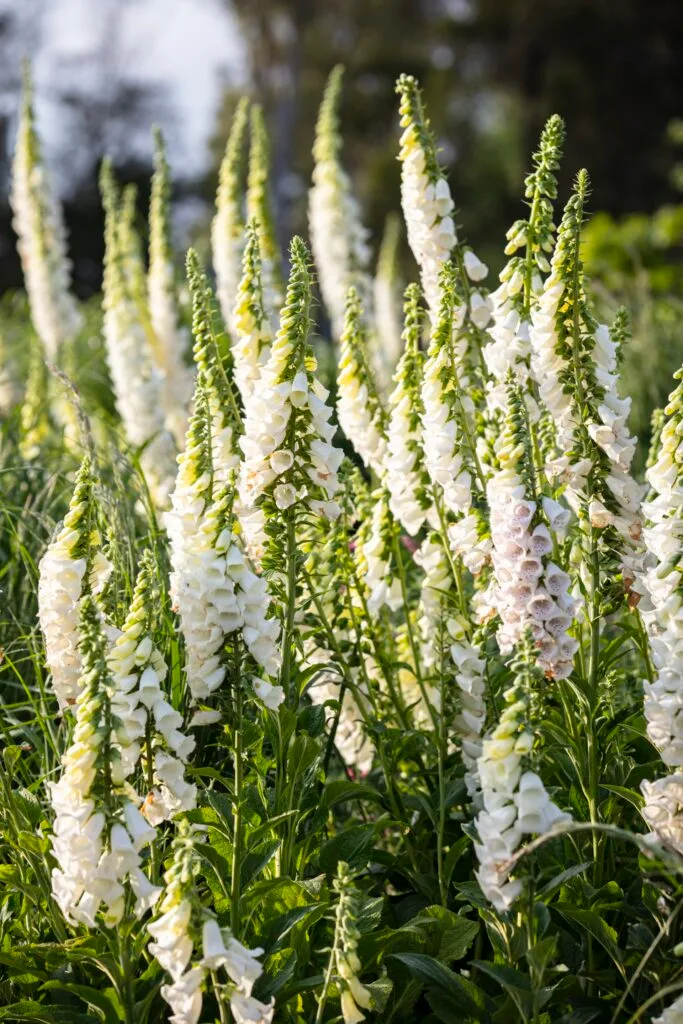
(189, 48)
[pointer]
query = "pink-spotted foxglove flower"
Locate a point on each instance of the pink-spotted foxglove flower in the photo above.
(137, 382)
(360, 411)
(72, 566)
(289, 457)
(260, 214)
(98, 830)
(515, 801)
(530, 592)
(171, 338)
(406, 479)
(227, 227)
(338, 238)
(663, 614)
(41, 238)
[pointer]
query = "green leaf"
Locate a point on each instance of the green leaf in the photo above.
(595, 926)
(281, 926)
(312, 720)
(631, 795)
(254, 863)
(511, 980)
(95, 999)
(563, 877)
(352, 846)
(278, 970)
(461, 993)
(340, 790)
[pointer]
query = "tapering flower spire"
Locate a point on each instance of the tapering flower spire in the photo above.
(98, 830)
(574, 361)
(425, 195)
(530, 591)
(228, 223)
(408, 483)
(361, 413)
(72, 566)
(142, 711)
(515, 801)
(287, 442)
(252, 328)
(188, 944)
(260, 215)
(387, 295)
(214, 362)
(338, 237)
(163, 305)
(41, 238)
(663, 613)
(137, 383)
(521, 280)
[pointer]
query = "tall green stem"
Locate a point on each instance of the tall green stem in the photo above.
(287, 635)
(237, 799)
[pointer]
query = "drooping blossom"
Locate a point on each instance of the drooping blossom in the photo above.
(253, 336)
(529, 590)
(147, 727)
(515, 800)
(188, 943)
(287, 442)
(72, 566)
(521, 280)
(574, 362)
(360, 410)
(98, 831)
(406, 479)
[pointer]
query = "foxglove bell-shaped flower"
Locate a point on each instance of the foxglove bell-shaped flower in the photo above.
(72, 566)
(408, 483)
(289, 417)
(515, 801)
(96, 840)
(360, 411)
